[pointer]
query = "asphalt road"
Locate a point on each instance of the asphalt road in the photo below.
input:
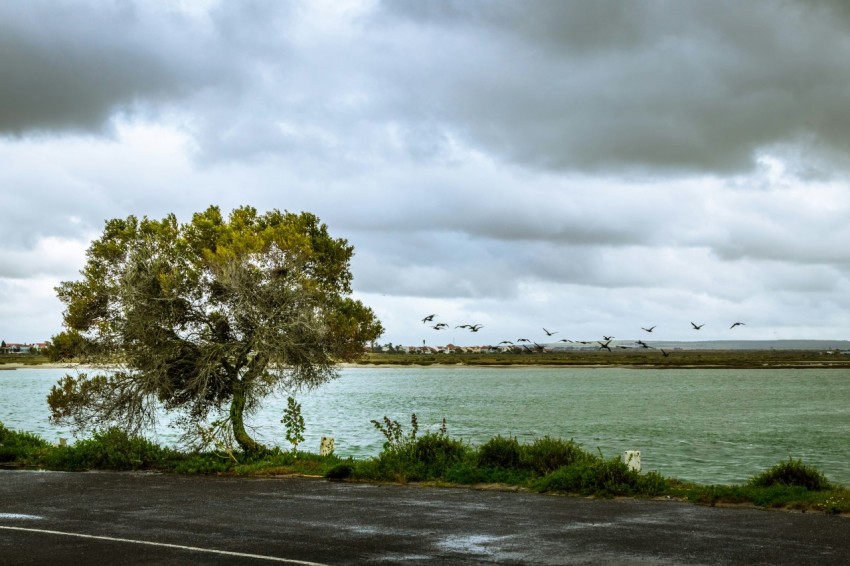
(134, 518)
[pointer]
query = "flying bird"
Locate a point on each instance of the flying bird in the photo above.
(607, 338)
(523, 340)
(650, 329)
(665, 353)
(506, 342)
(697, 326)
(440, 326)
(736, 324)
(564, 340)
(548, 333)
(642, 343)
(604, 345)
(463, 326)
(476, 327)
(428, 318)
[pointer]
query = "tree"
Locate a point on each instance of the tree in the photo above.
(207, 317)
(65, 346)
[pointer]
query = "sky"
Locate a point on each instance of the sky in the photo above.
(592, 168)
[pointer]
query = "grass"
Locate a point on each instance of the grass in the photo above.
(23, 359)
(547, 465)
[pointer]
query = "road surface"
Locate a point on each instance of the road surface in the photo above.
(140, 518)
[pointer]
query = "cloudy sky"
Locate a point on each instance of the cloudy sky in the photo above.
(588, 167)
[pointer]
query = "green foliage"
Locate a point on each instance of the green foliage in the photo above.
(791, 473)
(413, 458)
(601, 477)
(294, 423)
(391, 429)
(18, 445)
(207, 316)
(545, 455)
(500, 452)
(65, 346)
(111, 449)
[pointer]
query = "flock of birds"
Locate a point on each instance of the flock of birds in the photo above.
(604, 344)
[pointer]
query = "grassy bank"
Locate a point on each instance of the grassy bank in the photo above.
(547, 465)
(22, 360)
(627, 358)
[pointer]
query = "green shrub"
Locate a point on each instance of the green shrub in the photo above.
(340, 472)
(545, 455)
(593, 477)
(19, 445)
(437, 452)
(111, 449)
(424, 458)
(500, 452)
(791, 473)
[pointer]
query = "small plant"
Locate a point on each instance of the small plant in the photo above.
(834, 505)
(391, 429)
(791, 473)
(216, 435)
(294, 423)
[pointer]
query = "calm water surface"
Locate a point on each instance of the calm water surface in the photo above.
(708, 426)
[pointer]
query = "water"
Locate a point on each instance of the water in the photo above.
(707, 426)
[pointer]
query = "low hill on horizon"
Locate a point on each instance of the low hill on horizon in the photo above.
(832, 345)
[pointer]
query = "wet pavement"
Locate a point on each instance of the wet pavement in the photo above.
(138, 518)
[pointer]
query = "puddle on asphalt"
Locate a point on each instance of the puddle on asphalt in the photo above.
(469, 544)
(20, 516)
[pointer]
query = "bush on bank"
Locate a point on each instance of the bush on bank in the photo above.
(546, 465)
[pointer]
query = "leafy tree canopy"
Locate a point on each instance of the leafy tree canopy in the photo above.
(208, 316)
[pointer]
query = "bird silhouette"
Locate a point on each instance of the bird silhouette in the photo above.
(736, 324)
(464, 326)
(476, 327)
(604, 345)
(549, 333)
(607, 338)
(650, 329)
(523, 340)
(428, 318)
(440, 326)
(665, 353)
(506, 342)
(697, 326)
(564, 340)
(642, 343)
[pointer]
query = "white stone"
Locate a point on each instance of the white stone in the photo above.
(327, 446)
(631, 458)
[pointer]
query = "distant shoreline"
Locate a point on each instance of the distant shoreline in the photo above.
(47, 365)
(650, 358)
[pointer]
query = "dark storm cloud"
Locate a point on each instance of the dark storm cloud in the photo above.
(73, 65)
(650, 86)
(638, 88)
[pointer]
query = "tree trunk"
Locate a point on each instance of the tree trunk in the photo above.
(237, 409)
